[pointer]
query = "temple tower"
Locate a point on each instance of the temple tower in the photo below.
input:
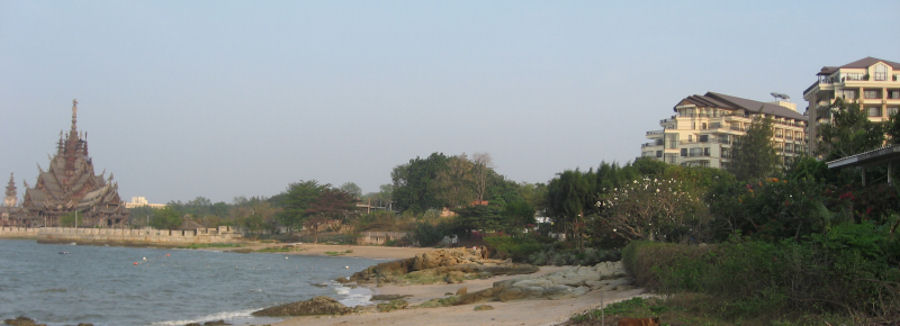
(70, 185)
(11, 198)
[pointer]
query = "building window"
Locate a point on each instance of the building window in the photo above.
(659, 154)
(880, 72)
(874, 111)
(706, 151)
(703, 138)
(892, 110)
(684, 152)
(778, 133)
(854, 76)
(894, 94)
(872, 93)
(848, 94)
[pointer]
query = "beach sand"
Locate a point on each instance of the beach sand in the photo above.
(522, 312)
(371, 252)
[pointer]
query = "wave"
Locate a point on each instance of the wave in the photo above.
(225, 315)
(352, 296)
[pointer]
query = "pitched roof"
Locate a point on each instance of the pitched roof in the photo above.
(861, 63)
(713, 99)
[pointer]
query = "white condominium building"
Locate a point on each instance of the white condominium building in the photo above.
(704, 128)
(873, 83)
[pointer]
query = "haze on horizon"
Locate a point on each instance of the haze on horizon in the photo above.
(227, 98)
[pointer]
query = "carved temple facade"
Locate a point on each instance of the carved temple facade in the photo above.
(68, 191)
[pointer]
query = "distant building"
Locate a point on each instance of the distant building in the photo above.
(140, 201)
(10, 213)
(703, 130)
(70, 186)
(873, 83)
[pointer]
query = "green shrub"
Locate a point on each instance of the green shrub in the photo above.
(517, 248)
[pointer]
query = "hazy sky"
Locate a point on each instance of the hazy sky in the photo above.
(224, 98)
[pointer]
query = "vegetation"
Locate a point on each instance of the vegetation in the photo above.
(753, 157)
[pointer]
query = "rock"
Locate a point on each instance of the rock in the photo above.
(219, 322)
(389, 297)
(392, 305)
(88, 324)
(442, 265)
(22, 321)
(462, 291)
(315, 306)
(483, 307)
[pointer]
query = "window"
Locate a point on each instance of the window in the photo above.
(880, 72)
(684, 152)
(894, 94)
(872, 93)
(848, 94)
(658, 153)
(788, 148)
(778, 133)
(703, 138)
(892, 110)
(874, 111)
(854, 76)
(706, 151)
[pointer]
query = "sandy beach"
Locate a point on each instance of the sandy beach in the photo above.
(518, 312)
(371, 252)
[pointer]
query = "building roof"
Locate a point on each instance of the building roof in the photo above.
(876, 156)
(858, 64)
(719, 100)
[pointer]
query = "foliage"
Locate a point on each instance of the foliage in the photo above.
(351, 188)
(166, 218)
(652, 209)
(554, 255)
(849, 269)
(414, 183)
(569, 196)
(517, 248)
(892, 129)
(753, 156)
(69, 219)
(850, 132)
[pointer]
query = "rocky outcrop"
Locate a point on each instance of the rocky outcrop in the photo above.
(438, 266)
(22, 321)
(570, 282)
(315, 306)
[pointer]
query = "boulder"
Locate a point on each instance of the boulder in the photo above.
(315, 306)
(22, 321)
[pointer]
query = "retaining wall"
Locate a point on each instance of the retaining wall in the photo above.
(127, 236)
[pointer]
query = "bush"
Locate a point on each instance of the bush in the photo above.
(559, 257)
(851, 269)
(517, 248)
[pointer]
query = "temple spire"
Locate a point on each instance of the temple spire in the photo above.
(10, 200)
(74, 113)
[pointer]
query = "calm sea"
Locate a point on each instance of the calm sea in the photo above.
(62, 284)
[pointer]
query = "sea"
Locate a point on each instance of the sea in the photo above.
(67, 284)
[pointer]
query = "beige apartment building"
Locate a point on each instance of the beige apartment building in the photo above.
(703, 130)
(873, 83)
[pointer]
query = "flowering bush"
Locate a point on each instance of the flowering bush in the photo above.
(653, 209)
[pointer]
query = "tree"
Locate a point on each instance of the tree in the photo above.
(295, 202)
(166, 218)
(850, 132)
(892, 129)
(454, 184)
(481, 169)
(415, 183)
(352, 189)
(753, 157)
(569, 195)
(653, 208)
(330, 205)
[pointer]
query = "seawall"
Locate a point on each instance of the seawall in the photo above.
(145, 236)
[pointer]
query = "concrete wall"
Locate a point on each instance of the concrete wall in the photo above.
(378, 238)
(131, 236)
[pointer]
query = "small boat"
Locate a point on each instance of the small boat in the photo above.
(65, 253)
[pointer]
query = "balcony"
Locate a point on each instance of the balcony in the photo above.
(655, 132)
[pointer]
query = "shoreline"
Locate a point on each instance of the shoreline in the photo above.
(528, 312)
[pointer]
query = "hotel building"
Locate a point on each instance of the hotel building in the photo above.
(873, 83)
(704, 128)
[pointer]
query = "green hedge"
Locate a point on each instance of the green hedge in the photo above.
(852, 269)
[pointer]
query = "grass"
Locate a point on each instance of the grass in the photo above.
(694, 309)
(339, 253)
(276, 249)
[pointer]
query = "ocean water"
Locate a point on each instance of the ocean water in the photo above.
(61, 284)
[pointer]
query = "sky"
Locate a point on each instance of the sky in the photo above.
(222, 99)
